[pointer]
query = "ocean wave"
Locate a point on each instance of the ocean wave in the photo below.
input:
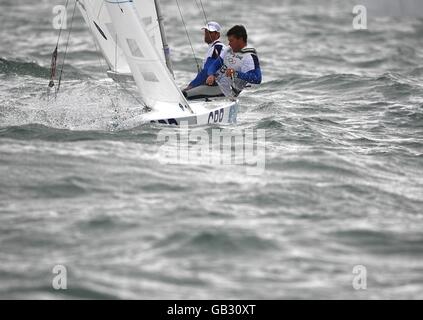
(15, 67)
(24, 68)
(44, 133)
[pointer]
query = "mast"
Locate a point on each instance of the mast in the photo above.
(166, 48)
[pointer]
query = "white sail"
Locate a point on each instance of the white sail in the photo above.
(154, 80)
(147, 13)
(98, 20)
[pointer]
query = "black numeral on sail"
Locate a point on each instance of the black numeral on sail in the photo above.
(216, 116)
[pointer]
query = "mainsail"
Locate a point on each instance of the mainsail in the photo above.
(148, 15)
(153, 78)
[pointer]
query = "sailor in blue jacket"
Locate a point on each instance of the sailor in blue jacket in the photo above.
(198, 87)
(237, 66)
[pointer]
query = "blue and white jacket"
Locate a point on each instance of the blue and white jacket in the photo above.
(247, 70)
(213, 54)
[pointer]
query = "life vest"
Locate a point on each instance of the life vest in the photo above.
(233, 60)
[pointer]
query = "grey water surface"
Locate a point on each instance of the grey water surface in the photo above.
(343, 184)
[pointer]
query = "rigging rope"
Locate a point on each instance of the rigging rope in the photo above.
(204, 11)
(189, 39)
(66, 50)
(61, 25)
(53, 64)
(199, 9)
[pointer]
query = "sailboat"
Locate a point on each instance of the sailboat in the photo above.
(132, 39)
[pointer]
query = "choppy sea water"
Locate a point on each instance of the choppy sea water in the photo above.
(343, 185)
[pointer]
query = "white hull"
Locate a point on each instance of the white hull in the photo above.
(205, 113)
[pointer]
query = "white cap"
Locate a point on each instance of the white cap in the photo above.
(212, 26)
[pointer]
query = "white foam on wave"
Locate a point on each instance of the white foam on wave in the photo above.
(80, 105)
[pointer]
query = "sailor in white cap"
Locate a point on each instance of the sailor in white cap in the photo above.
(198, 88)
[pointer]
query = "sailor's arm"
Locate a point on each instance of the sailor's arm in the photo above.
(212, 70)
(253, 76)
(216, 66)
(201, 77)
(250, 70)
(203, 74)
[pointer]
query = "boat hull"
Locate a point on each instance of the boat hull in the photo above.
(204, 114)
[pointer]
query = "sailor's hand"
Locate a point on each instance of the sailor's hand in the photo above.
(210, 80)
(230, 73)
